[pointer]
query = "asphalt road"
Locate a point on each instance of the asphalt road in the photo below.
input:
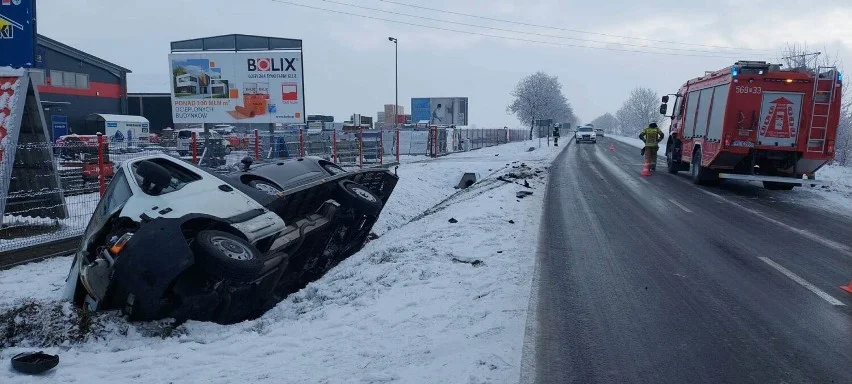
(656, 280)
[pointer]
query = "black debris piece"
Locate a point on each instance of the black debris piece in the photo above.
(475, 262)
(511, 221)
(523, 194)
(453, 220)
(34, 363)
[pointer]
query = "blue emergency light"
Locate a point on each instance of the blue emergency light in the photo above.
(839, 77)
(735, 71)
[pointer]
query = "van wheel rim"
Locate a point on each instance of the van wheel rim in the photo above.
(360, 192)
(233, 249)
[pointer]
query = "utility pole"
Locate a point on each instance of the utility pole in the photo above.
(396, 80)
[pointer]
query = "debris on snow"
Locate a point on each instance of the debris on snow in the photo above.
(523, 194)
(475, 262)
(452, 220)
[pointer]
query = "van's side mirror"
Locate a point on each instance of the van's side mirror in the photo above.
(665, 99)
(664, 108)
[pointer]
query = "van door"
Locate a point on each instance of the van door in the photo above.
(780, 114)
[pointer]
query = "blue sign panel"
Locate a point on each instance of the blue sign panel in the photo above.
(60, 126)
(421, 109)
(17, 33)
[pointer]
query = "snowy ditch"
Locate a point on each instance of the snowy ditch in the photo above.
(440, 296)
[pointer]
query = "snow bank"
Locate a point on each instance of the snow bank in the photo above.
(430, 301)
(636, 142)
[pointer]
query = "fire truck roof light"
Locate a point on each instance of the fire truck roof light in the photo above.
(735, 71)
(839, 76)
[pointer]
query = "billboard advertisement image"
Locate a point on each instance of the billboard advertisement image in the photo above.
(237, 87)
(440, 110)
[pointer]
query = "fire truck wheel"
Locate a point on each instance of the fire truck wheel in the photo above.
(701, 175)
(672, 165)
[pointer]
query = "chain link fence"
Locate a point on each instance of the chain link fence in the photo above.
(55, 187)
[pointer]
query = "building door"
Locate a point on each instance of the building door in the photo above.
(60, 126)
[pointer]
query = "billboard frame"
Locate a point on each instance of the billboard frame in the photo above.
(240, 43)
(417, 109)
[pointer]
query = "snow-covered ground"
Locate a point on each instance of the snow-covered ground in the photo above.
(429, 301)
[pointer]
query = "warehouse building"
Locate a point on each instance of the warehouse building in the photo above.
(74, 84)
(156, 107)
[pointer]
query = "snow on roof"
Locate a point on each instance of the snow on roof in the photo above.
(11, 72)
(124, 118)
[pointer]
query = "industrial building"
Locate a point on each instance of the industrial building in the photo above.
(74, 84)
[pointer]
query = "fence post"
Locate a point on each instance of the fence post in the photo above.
(361, 147)
(101, 176)
(334, 145)
(256, 145)
(194, 149)
(381, 146)
(397, 145)
(301, 142)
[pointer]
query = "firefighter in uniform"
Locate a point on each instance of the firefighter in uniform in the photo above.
(556, 136)
(652, 136)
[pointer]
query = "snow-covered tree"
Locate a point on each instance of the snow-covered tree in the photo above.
(640, 108)
(539, 96)
(801, 56)
(607, 122)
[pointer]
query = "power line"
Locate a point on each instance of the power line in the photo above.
(497, 36)
(569, 30)
(521, 32)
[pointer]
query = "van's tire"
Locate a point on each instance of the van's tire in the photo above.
(227, 256)
(773, 186)
(359, 198)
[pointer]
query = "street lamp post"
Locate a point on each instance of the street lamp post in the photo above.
(396, 80)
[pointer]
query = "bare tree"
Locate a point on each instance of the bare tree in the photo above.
(640, 108)
(607, 122)
(539, 96)
(799, 56)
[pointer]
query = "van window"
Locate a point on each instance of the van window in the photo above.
(180, 176)
(184, 134)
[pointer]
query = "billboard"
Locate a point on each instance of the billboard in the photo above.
(440, 110)
(17, 33)
(237, 87)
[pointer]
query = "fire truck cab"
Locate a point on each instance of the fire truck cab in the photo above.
(754, 121)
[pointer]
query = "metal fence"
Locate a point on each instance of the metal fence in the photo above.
(55, 187)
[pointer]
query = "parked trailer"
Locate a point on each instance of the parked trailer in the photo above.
(754, 121)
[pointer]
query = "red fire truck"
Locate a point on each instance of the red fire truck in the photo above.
(754, 121)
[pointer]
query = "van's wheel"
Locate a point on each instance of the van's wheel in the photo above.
(227, 256)
(359, 198)
(265, 186)
(773, 186)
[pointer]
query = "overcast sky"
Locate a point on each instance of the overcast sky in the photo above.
(349, 62)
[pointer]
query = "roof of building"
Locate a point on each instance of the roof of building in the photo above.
(236, 42)
(123, 118)
(74, 52)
